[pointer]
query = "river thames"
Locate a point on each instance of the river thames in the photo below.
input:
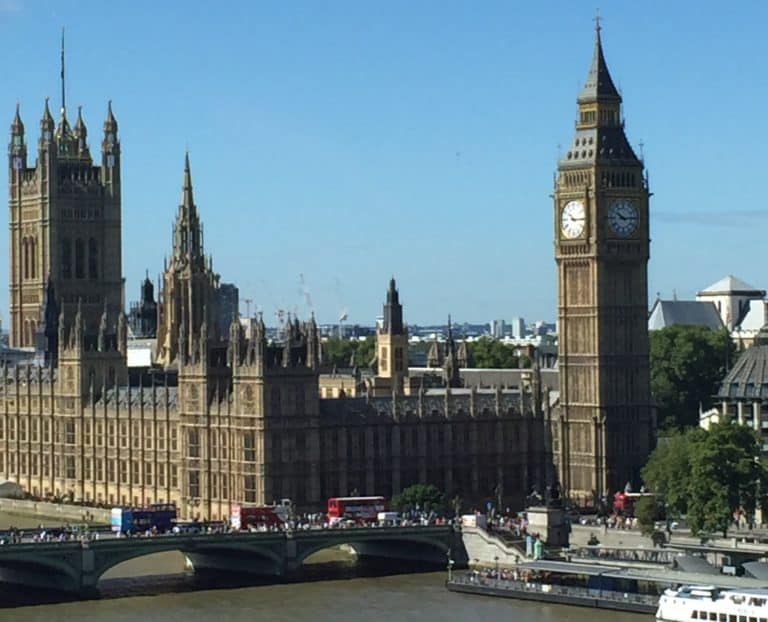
(417, 597)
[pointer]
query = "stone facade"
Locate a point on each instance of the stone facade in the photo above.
(605, 425)
(65, 223)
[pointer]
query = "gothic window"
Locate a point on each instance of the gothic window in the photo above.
(79, 259)
(398, 359)
(66, 259)
(249, 485)
(249, 449)
(193, 447)
(93, 259)
(194, 484)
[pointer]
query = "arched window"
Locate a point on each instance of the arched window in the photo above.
(93, 259)
(66, 258)
(79, 259)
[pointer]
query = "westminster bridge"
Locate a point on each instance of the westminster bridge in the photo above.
(76, 566)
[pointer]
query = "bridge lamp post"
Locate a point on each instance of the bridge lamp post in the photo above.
(450, 566)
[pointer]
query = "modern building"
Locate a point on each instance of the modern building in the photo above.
(605, 424)
(498, 329)
(517, 328)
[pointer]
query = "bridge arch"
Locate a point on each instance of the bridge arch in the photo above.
(23, 566)
(216, 556)
(405, 547)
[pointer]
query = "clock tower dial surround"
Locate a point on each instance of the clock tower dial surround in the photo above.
(605, 426)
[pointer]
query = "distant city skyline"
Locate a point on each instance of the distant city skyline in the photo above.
(335, 146)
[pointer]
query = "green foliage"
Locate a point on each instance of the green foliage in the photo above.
(687, 364)
(489, 353)
(668, 469)
(422, 496)
(339, 352)
(706, 475)
(646, 512)
(724, 476)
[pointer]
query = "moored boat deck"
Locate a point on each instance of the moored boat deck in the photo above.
(470, 583)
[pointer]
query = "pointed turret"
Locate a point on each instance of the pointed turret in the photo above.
(110, 123)
(393, 310)
(81, 134)
(46, 123)
(63, 129)
(17, 149)
(17, 127)
(599, 85)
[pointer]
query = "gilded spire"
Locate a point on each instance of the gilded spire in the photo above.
(599, 84)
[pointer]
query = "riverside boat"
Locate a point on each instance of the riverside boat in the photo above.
(707, 602)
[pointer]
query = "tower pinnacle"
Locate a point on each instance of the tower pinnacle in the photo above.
(599, 85)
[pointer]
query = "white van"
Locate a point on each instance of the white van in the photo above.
(388, 519)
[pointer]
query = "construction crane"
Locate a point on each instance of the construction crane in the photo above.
(342, 319)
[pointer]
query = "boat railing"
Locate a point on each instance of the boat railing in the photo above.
(555, 589)
(653, 556)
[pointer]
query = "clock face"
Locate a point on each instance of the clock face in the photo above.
(572, 219)
(623, 217)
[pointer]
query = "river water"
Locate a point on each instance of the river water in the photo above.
(154, 588)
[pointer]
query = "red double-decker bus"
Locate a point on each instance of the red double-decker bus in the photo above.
(358, 509)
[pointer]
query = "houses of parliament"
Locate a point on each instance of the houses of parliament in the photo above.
(227, 416)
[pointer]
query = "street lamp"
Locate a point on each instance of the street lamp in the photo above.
(450, 566)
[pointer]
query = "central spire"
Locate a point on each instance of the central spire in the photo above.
(187, 200)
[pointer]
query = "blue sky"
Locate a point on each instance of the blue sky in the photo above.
(349, 141)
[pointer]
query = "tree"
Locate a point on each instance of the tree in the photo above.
(706, 475)
(687, 364)
(489, 353)
(425, 497)
(646, 511)
(342, 352)
(725, 475)
(668, 469)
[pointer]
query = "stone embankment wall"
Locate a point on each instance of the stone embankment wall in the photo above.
(486, 549)
(67, 513)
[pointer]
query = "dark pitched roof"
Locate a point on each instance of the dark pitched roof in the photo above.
(749, 377)
(599, 84)
(691, 312)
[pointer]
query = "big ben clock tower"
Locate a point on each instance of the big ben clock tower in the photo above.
(605, 428)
